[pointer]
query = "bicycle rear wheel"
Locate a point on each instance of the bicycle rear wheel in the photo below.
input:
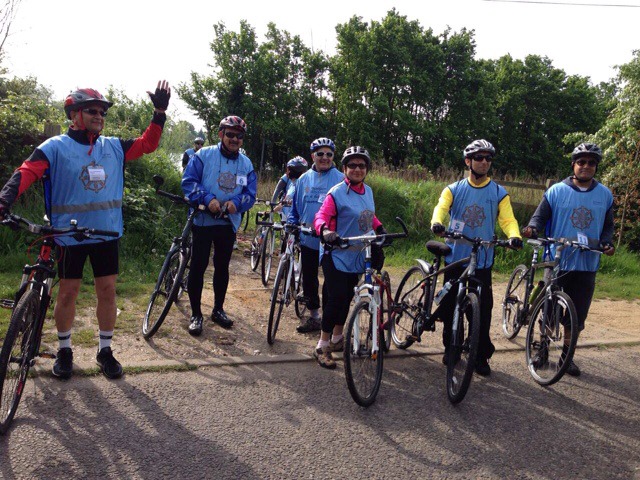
(463, 349)
(268, 246)
(16, 355)
(164, 293)
(362, 367)
(300, 300)
(256, 248)
(385, 310)
(548, 351)
(514, 301)
(410, 299)
(278, 300)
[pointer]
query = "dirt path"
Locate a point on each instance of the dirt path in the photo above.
(248, 303)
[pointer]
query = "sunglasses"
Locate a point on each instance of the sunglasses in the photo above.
(479, 158)
(322, 154)
(198, 143)
(582, 162)
(354, 166)
(232, 135)
(93, 111)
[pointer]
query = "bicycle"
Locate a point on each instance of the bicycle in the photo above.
(413, 311)
(172, 279)
(368, 323)
(264, 243)
(287, 286)
(545, 306)
(22, 342)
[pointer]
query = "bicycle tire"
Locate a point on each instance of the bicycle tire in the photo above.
(278, 300)
(244, 221)
(17, 350)
(362, 370)
(300, 302)
(463, 349)
(411, 305)
(268, 246)
(184, 278)
(385, 310)
(164, 293)
(514, 301)
(548, 367)
(256, 248)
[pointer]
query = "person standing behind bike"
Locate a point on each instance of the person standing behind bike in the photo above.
(83, 179)
(348, 210)
(221, 178)
(286, 187)
(580, 209)
(189, 152)
(311, 190)
(474, 204)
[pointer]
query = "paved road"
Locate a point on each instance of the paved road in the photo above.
(298, 421)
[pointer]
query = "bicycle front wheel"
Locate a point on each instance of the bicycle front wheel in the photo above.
(463, 348)
(300, 300)
(256, 248)
(514, 302)
(164, 293)
(362, 366)
(278, 300)
(16, 355)
(548, 349)
(385, 310)
(268, 247)
(409, 300)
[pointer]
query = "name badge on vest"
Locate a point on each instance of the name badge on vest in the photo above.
(582, 239)
(241, 180)
(457, 226)
(321, 198)
(96, 174)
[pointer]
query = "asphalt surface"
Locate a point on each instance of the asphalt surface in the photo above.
(296, 420)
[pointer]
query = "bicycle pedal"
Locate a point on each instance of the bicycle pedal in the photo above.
(6, 303)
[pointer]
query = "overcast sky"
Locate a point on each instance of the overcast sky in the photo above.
(131, 44)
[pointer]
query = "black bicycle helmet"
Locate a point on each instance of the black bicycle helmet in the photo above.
(297, 166)
(199, 140)
(83, 97)
(478, 146)
(232, 121)
(322, 142)
(356, 152)
(586, 150)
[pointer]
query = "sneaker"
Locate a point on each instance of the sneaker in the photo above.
(483, 368)
(195, 327)
(310, 325)
(63, 366)
(324, 358)
(573, 370)
(220, 317)
(109, 366)
(337, 347)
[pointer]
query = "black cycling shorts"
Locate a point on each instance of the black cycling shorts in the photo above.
(102, 255)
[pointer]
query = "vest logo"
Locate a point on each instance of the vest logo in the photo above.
(93, 177)
(227, 182)
(474, 216)
(365, 222)
(581, 218)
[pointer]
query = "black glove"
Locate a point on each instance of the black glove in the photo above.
(515, 242)
(382, 231)
(377, 257)
(330, 237)
(437, 228)
(530, 232)
(160, 98)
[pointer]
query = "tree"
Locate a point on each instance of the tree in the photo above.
(7, 14)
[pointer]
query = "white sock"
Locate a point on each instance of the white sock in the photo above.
(336, 338)
(64, 339)
(315, 313)
(322, 344)
(105, 339)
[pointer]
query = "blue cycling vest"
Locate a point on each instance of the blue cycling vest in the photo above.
(82, 187)
(311, 190)
(225, 178)
(578, 216)
(474, 212)
(354, 217)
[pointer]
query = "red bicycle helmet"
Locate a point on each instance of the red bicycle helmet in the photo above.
(82, 97)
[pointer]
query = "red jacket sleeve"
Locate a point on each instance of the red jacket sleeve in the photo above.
(148, 142)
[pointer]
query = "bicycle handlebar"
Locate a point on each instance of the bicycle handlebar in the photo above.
(541, 241)
(343, 242)
(203, 208)
(16, 222)
(478, 241)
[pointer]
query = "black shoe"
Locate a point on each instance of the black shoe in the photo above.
(109, 366)
(573, 370)
(63, 366)
(483, 368)
(310, 325)
(219, 317)
(195, 327)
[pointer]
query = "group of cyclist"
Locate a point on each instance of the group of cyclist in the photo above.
(83, 179)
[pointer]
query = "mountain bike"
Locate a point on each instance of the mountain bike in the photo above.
(549, 312)
(287, 286)
(368, 323)
(172, 279)
(413, 308)
(22, 342)
(264, 242)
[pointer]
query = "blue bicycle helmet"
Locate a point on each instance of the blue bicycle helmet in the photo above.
(297, 166)
(322, 142)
